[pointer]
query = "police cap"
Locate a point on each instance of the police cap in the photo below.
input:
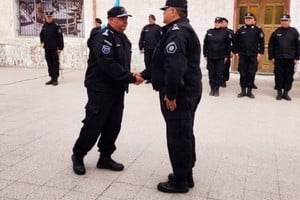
(218, 19)
(49, 13)
(249, 15)
(175, 3)
(285, 17)
(118, 11)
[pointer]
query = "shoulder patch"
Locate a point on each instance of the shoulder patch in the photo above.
(171, 48)
(175, 27)
(106, 49)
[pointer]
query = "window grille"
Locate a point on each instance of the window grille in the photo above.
(67, 13)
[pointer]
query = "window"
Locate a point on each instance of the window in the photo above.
(67, 13)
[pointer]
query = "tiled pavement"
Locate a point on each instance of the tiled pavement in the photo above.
(247, 149)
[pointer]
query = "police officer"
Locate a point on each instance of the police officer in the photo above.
(51, 37)
(97, 27)
(216, 50)
(284, 51)
(176, 75)
(150, 35)
(106, 80)
(248, 46)
(226, 73)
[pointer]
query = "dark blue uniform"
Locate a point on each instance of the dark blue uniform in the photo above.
(176, 74)
(107, 78)
(148, 40)
(51, 36)
(284, 47)
(216, 48)
(248, 43)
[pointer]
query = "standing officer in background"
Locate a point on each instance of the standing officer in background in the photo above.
(107, 78)
(97, 27)
(148, 40)
(226, 72)
(51, 37)
(216, 50)
(284, 51)
(248, 47)
(176, 75)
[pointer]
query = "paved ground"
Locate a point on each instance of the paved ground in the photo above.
(247, 149)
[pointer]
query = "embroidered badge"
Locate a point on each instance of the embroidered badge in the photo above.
(106, 49)
(171, 47)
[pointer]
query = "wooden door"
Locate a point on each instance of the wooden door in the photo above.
(268, 13)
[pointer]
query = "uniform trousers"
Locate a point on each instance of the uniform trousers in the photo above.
(247, 68)
(226, 72)
(215, 72)
(148, 54)
(52, 62)
(180, 134)
(104, 112)
(284, 71)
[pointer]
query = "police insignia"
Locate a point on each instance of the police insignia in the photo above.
(171, 47)
(105, 49)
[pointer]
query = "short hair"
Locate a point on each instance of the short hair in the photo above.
(98, 20)
(182, 12)
(152, 17)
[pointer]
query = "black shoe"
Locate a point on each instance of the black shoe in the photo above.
(173, 187)
(190, 180)
(242, 94)
(254, 86)
(49, 82)
(286, 96)
(216, 92)
(212, 93)
(108, 163)
(250, 94)
(279, 95)
(78, 165)
(224, 85)
(55, 83)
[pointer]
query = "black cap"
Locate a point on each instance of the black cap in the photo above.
(118, 11)
(176, 4)
(285, 17)
(224, 19)
(49, 13)
(218, 19)
(248, 14)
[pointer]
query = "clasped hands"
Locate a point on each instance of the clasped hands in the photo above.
(138, 77)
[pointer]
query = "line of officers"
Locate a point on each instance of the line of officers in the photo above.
(247, 44)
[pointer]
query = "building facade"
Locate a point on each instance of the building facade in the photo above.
(20, 45)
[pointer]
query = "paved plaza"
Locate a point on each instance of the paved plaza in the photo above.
(246, 149)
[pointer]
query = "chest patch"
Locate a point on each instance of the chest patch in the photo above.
(171, 47)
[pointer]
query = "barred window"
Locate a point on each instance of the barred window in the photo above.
(67, 13)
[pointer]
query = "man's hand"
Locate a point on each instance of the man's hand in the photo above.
(138, 77)
(58, 51)
(142, 51)
(258, 57)
(171, 104)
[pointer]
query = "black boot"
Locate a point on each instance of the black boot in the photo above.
(243, 93)
(49, 82)
(106, 162)
(78, 165)
(286, 96)
(279, 95)
(250, 94)
(174, 186)
(190, 179)
(212, 92)
(54, 82)
(216, 92)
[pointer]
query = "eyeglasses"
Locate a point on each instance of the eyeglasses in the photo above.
(248, 17)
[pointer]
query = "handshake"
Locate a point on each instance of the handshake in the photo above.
(138, 77)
